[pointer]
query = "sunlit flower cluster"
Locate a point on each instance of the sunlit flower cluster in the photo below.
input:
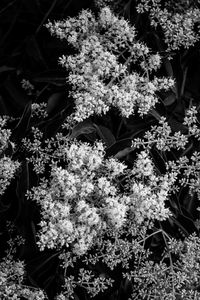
(98, 72)
(4, 134)
(177, 24)
(191, 121)
(75, 202)
(162, 137)
(150, 193)
(8, 168)
(12, 285)
(82, 200)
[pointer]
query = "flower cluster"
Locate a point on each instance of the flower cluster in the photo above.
(4, 134)
(191, 122)
(162, 137)
(13, 274)
(149, 191)
(98, 72)
(175, 277)
(11, 281)
(82, 200)
(86, 279)
(8, 168)
(75, 202)
(39, 110)
(177, 25)
(27, 86)
(189, 169)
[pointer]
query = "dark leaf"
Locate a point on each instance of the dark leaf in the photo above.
(155, 114)
(50, 78)
(158, 161)
(84, 127)
(23, 181)
(105, 134)
(187, 149)
(55, 102)
(120, 148)
(3, 107)
(20, 130)
(34, 52)
(185, 224)
(19, 98)
(54, 124)
(170, 99)
(46, 15)
(176, 125)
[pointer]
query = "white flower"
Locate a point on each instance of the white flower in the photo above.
(105, 187)
(115, 212)
(115, 167)
(143, 165)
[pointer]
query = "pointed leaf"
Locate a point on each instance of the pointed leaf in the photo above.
(105, 134)
(170, 99)
(120, 148)
(55, 101)
(84, 127)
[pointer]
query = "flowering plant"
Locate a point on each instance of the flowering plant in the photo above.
(106, 190)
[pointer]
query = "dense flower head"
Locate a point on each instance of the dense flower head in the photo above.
(98, 72)
(82, 200)
(8, 168)
(148, 197)
(143, 166)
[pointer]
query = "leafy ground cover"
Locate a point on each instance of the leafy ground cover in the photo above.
(99, 150)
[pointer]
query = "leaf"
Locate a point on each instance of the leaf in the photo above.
(3, 108)
(158, 161)
(19, 99)
(84, 127)
(20, 130)
(177, 125)
(188, 149)
(189, 204)
(52, 76)
(54, 124)
(168, 67)
(155, 114)
(46, 15)
(105, 134)
(124, 152)
(55, 102)
(120, 148)
(34, 52)
(4, 207)
(170, 99)
(185, 224)
(23, 181)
